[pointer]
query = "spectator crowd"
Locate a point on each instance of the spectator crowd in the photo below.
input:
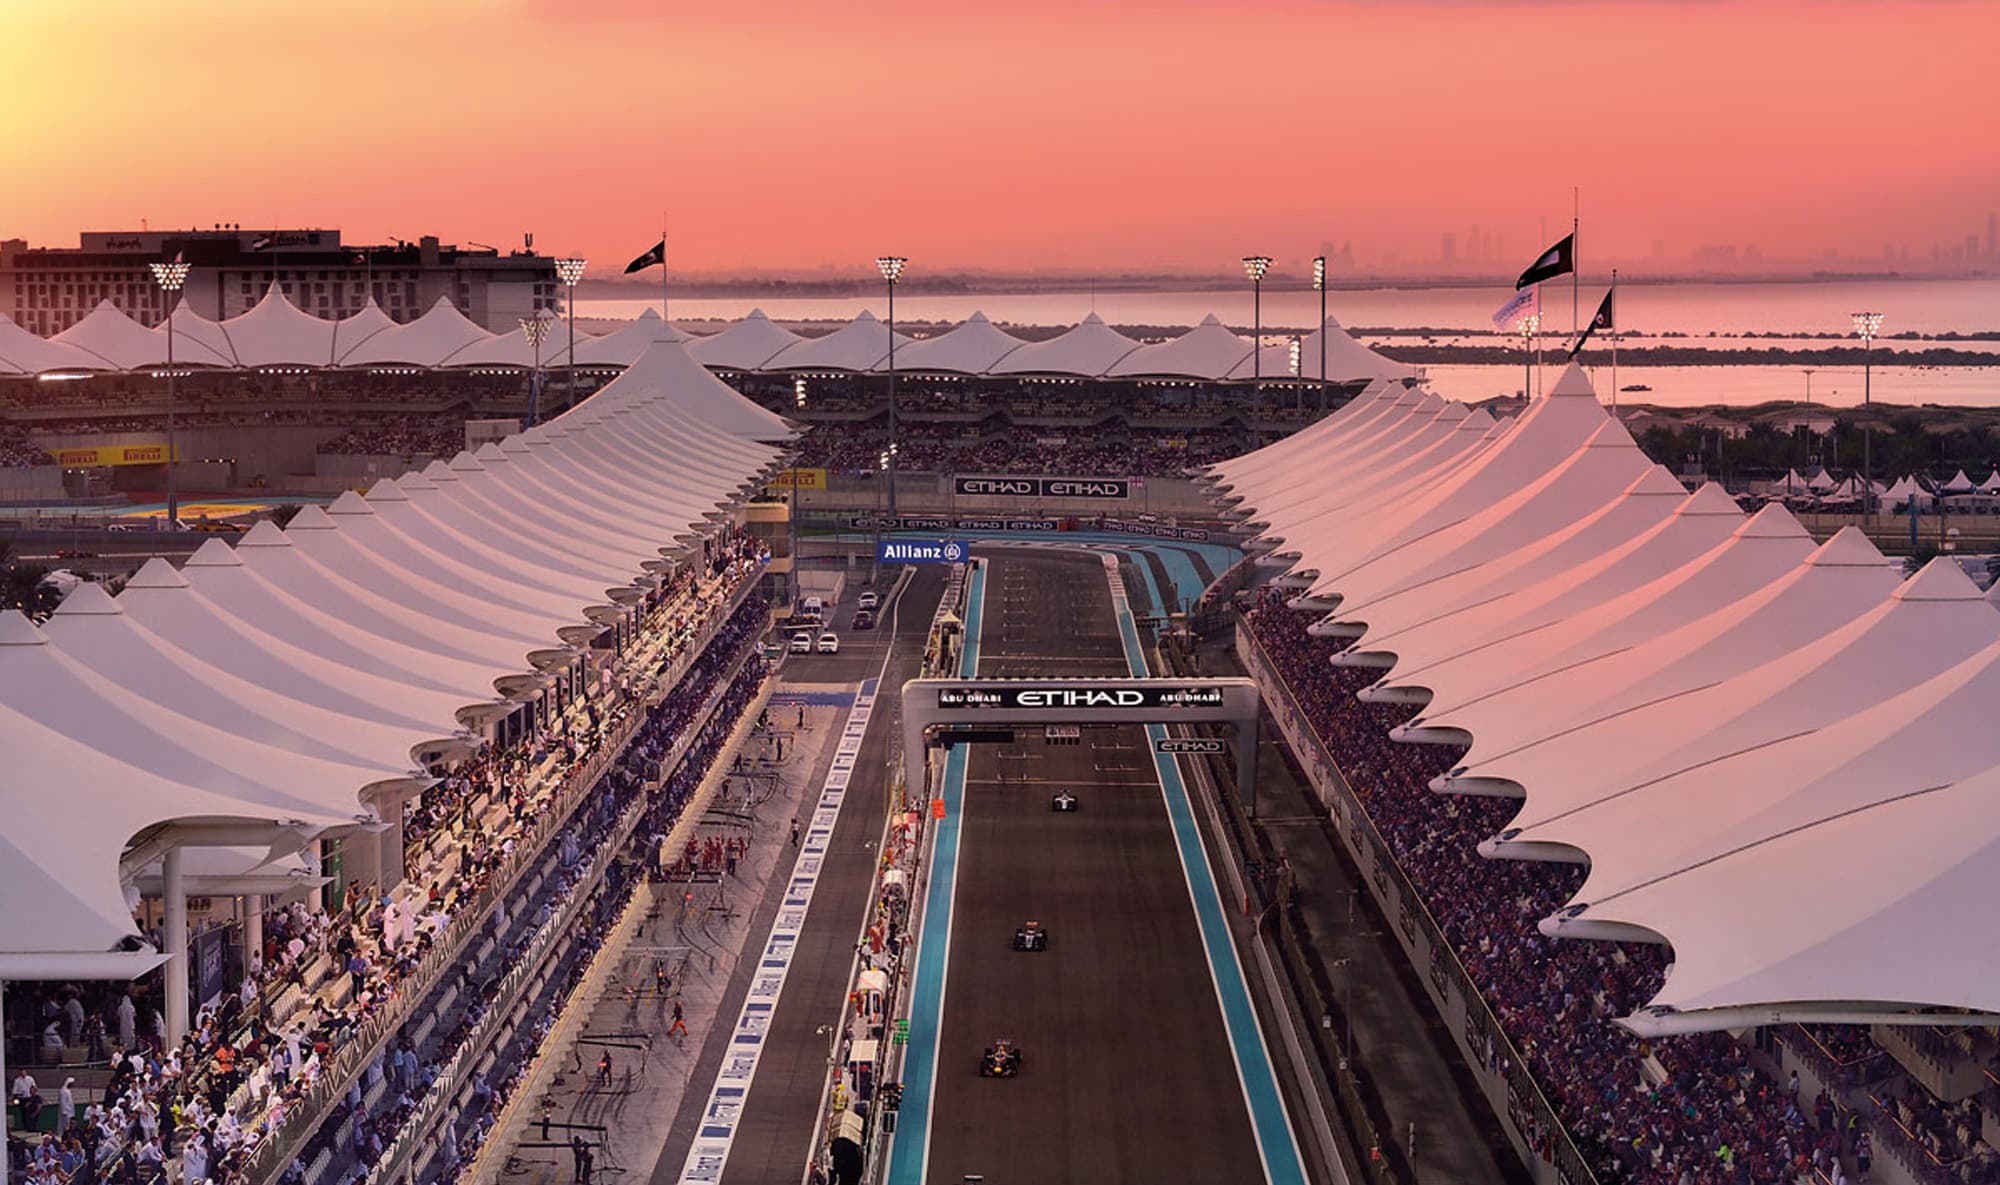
(1685, 1110)
(325, 982)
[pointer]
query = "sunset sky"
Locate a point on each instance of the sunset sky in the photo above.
(1107, 135)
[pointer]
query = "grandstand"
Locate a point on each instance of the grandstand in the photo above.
(1621, 753)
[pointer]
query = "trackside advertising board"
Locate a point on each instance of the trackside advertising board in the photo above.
(921, 551)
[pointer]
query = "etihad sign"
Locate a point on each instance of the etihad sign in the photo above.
(1043, 487)
(1033, 698)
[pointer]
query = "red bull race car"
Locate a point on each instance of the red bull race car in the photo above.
(1031, 936)
(1002, 1060)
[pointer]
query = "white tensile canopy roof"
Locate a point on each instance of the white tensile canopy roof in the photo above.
(431, 340)
(1959, 484)
(1087, 351)
(1347, 360)
(22, 352)
(513, 349)
(972, 347)
(860, 345)
(666, 371)
(1722, 719)
(1208, 351)
(349, 333)
(287, 683)
(109, 334)
(276, 332)
(622, 346)
(745, 345)
(191, 330)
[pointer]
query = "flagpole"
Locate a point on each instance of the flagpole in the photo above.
(1614, 341)
(1576, 262)
(663, 270)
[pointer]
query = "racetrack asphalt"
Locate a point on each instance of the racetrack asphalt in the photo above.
(1127, 1074)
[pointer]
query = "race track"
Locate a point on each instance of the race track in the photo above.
(1127, 1074)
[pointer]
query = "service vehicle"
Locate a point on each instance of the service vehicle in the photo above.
(829, 644)
(1002, 1060)
(864, 619)
(802, 642)
(869, 600)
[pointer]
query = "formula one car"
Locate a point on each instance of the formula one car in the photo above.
(1031, 936)
(1002, 1060)
(1063, 801)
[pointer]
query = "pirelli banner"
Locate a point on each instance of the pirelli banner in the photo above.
(1095, 488)
(112, 454)
(798, 479)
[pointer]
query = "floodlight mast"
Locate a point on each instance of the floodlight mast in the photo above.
(1867, 326)
(1255, 266)
(570, 272)
(1319, 286)
(535, 328)
(171, 277)
(891, 267)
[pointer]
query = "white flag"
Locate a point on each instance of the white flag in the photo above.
(1525, 303)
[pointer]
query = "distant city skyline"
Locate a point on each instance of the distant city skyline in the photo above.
(1107, 138)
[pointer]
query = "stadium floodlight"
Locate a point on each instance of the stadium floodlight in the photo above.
(1319, 273)
(799, 393)
(1530, 326)
(1255, 266)
(1867, 326)
(570, 271)
(170, 276)
(892, 266)
(535, 329)
(1292, 355)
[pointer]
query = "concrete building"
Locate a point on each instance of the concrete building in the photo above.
(48, 289)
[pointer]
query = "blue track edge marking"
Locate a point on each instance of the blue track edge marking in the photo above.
(909, 1151)
(1276, 1143)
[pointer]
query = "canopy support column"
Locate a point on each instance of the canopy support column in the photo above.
(174, 937)
(253, 928)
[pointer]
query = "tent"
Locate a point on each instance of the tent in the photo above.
(25, 353)
(745, 345)
(276, 332)
(970, 348)
(349, 333)
(1087, 351)
(430, 340)
(1208, 351)
(513, 349)
(125, 344)
(860, 345)
(622, 346)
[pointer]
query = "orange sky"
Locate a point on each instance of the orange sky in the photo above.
(1099, 135)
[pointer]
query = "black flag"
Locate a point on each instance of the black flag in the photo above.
(1559, 260)
(1601, 321)
(657, 254)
